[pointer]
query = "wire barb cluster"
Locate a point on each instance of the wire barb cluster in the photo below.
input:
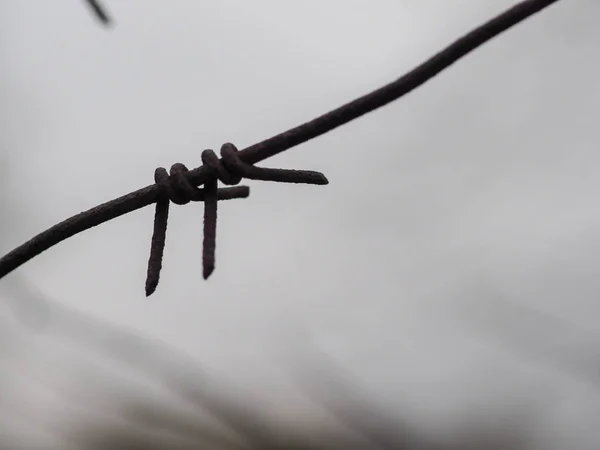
(177, 188)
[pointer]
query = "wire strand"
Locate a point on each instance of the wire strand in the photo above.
(283, 141)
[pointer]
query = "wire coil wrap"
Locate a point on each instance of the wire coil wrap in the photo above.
(177, 188)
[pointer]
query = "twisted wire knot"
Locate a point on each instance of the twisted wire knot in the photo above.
(175, 186)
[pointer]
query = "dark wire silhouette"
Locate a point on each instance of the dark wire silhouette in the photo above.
(178, 189)
(231, 167)
(99, 11)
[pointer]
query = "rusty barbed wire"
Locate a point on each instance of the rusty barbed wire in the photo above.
(239, 164)
(178, 189)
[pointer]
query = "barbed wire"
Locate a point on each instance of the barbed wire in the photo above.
(181, 185)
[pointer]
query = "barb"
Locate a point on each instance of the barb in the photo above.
(177, 188)
(99, 12)
(272, 146)
(180, 191)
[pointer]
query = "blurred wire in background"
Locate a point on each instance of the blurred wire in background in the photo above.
(99, 12)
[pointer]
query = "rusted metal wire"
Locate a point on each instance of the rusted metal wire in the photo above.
(177, 188)
(234, 165)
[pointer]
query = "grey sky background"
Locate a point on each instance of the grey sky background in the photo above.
(475, 192)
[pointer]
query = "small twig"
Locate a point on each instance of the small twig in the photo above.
(240, 164)
(99, 11)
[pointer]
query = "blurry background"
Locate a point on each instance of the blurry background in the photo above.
(451, 266)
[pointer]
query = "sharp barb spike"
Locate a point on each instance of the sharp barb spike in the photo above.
(210, 228)
(157, 246)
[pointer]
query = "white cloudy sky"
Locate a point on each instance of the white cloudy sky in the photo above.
(446, 211)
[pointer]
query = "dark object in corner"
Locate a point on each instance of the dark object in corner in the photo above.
(99, 12)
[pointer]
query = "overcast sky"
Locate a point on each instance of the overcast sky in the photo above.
(475, 192)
